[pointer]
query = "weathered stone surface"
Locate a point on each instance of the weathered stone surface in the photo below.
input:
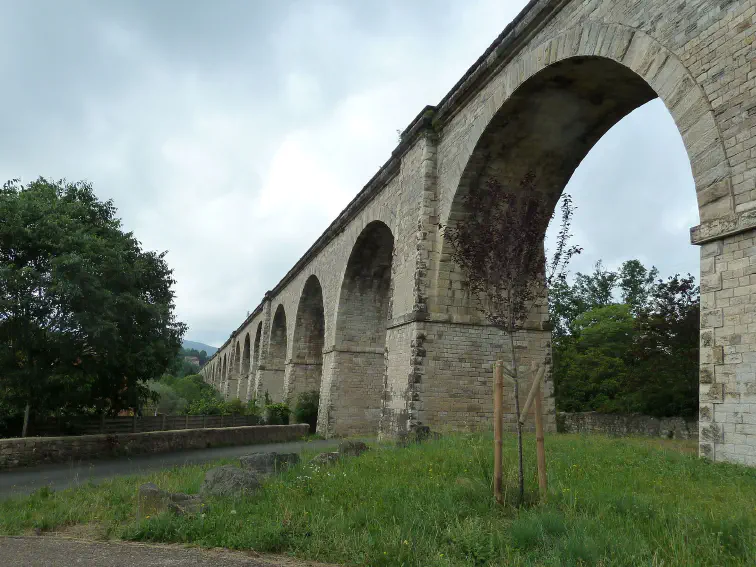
(229, 481)
(152, 501)
(39, 450)
(627, 424)
(268, 463)
(711, 433)
(324, 459)
(378, 319)
(352, 448)
(418, 434)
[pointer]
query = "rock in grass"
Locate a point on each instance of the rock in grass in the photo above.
(325, 459)
(229, 481)
(152, 501)
(268, 463)
(352, 448)
(418, 434)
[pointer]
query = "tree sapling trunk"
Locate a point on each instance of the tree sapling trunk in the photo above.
(521, 489)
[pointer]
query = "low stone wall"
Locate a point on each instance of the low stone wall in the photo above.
(623, 425)
(32, 451)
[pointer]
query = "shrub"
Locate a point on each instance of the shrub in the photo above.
(254, 411)
(277, 414)
(306, 410)
(211, 404)
(235, 406)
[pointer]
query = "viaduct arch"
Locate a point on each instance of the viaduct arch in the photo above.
(376, 317)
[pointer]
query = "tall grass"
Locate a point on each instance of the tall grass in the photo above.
(611, 502)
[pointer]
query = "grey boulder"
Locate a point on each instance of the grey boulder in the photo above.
(229, 481)
(352, 448)
(152, 501)
(268, 463)
(419, 434)
(325, 459)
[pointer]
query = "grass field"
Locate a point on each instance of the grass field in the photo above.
(611, 502)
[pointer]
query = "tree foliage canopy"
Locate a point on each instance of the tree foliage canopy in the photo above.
(498, 243)
(86, 315)
(623, 342)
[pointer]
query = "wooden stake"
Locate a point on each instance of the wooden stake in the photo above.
(540, 449)
(498, 415)
(531, 395)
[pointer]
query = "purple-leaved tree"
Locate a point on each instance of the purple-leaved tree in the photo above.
(499, 244)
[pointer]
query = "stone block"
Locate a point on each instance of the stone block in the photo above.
(711, 433)
(352, 448)
(229, 481)
(325, 459)
(705, 412)
(711, 282)
(711, 249)
(706, 374)
(712, 355)
(712, 392)
(707, 337)
(268, 463)
(706, 450)
(152, 501)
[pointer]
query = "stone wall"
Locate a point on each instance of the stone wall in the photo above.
(33, 451)
(623, 425)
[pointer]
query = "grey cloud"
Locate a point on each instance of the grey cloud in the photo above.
(187, 114)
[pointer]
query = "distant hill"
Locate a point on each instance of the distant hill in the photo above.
(210, 350)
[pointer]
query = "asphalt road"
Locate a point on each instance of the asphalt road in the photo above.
(61, 476)
(60, 552)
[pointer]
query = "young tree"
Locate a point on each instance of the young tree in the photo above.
(86, 316)
(499, 244)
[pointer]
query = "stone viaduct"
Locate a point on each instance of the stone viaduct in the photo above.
(377, 319)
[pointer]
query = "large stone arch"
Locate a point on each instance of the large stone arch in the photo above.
(256, 355)
(352, 394)
(305, 369)
(244, 379)
(224, 375)
(542, 116)
(272, 376)
(639, 62)
(232, 390)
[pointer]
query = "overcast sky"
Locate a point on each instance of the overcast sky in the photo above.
(231, 133)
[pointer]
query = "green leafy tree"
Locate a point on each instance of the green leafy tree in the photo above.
(168, 402)
(640, 355)
(236, 406)
(636, 284)
(86, 316)
(306, 409)
(592, 373)
(254, 410)
(277, 414)
(667, 349)
(208, 404)
(176, 394)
